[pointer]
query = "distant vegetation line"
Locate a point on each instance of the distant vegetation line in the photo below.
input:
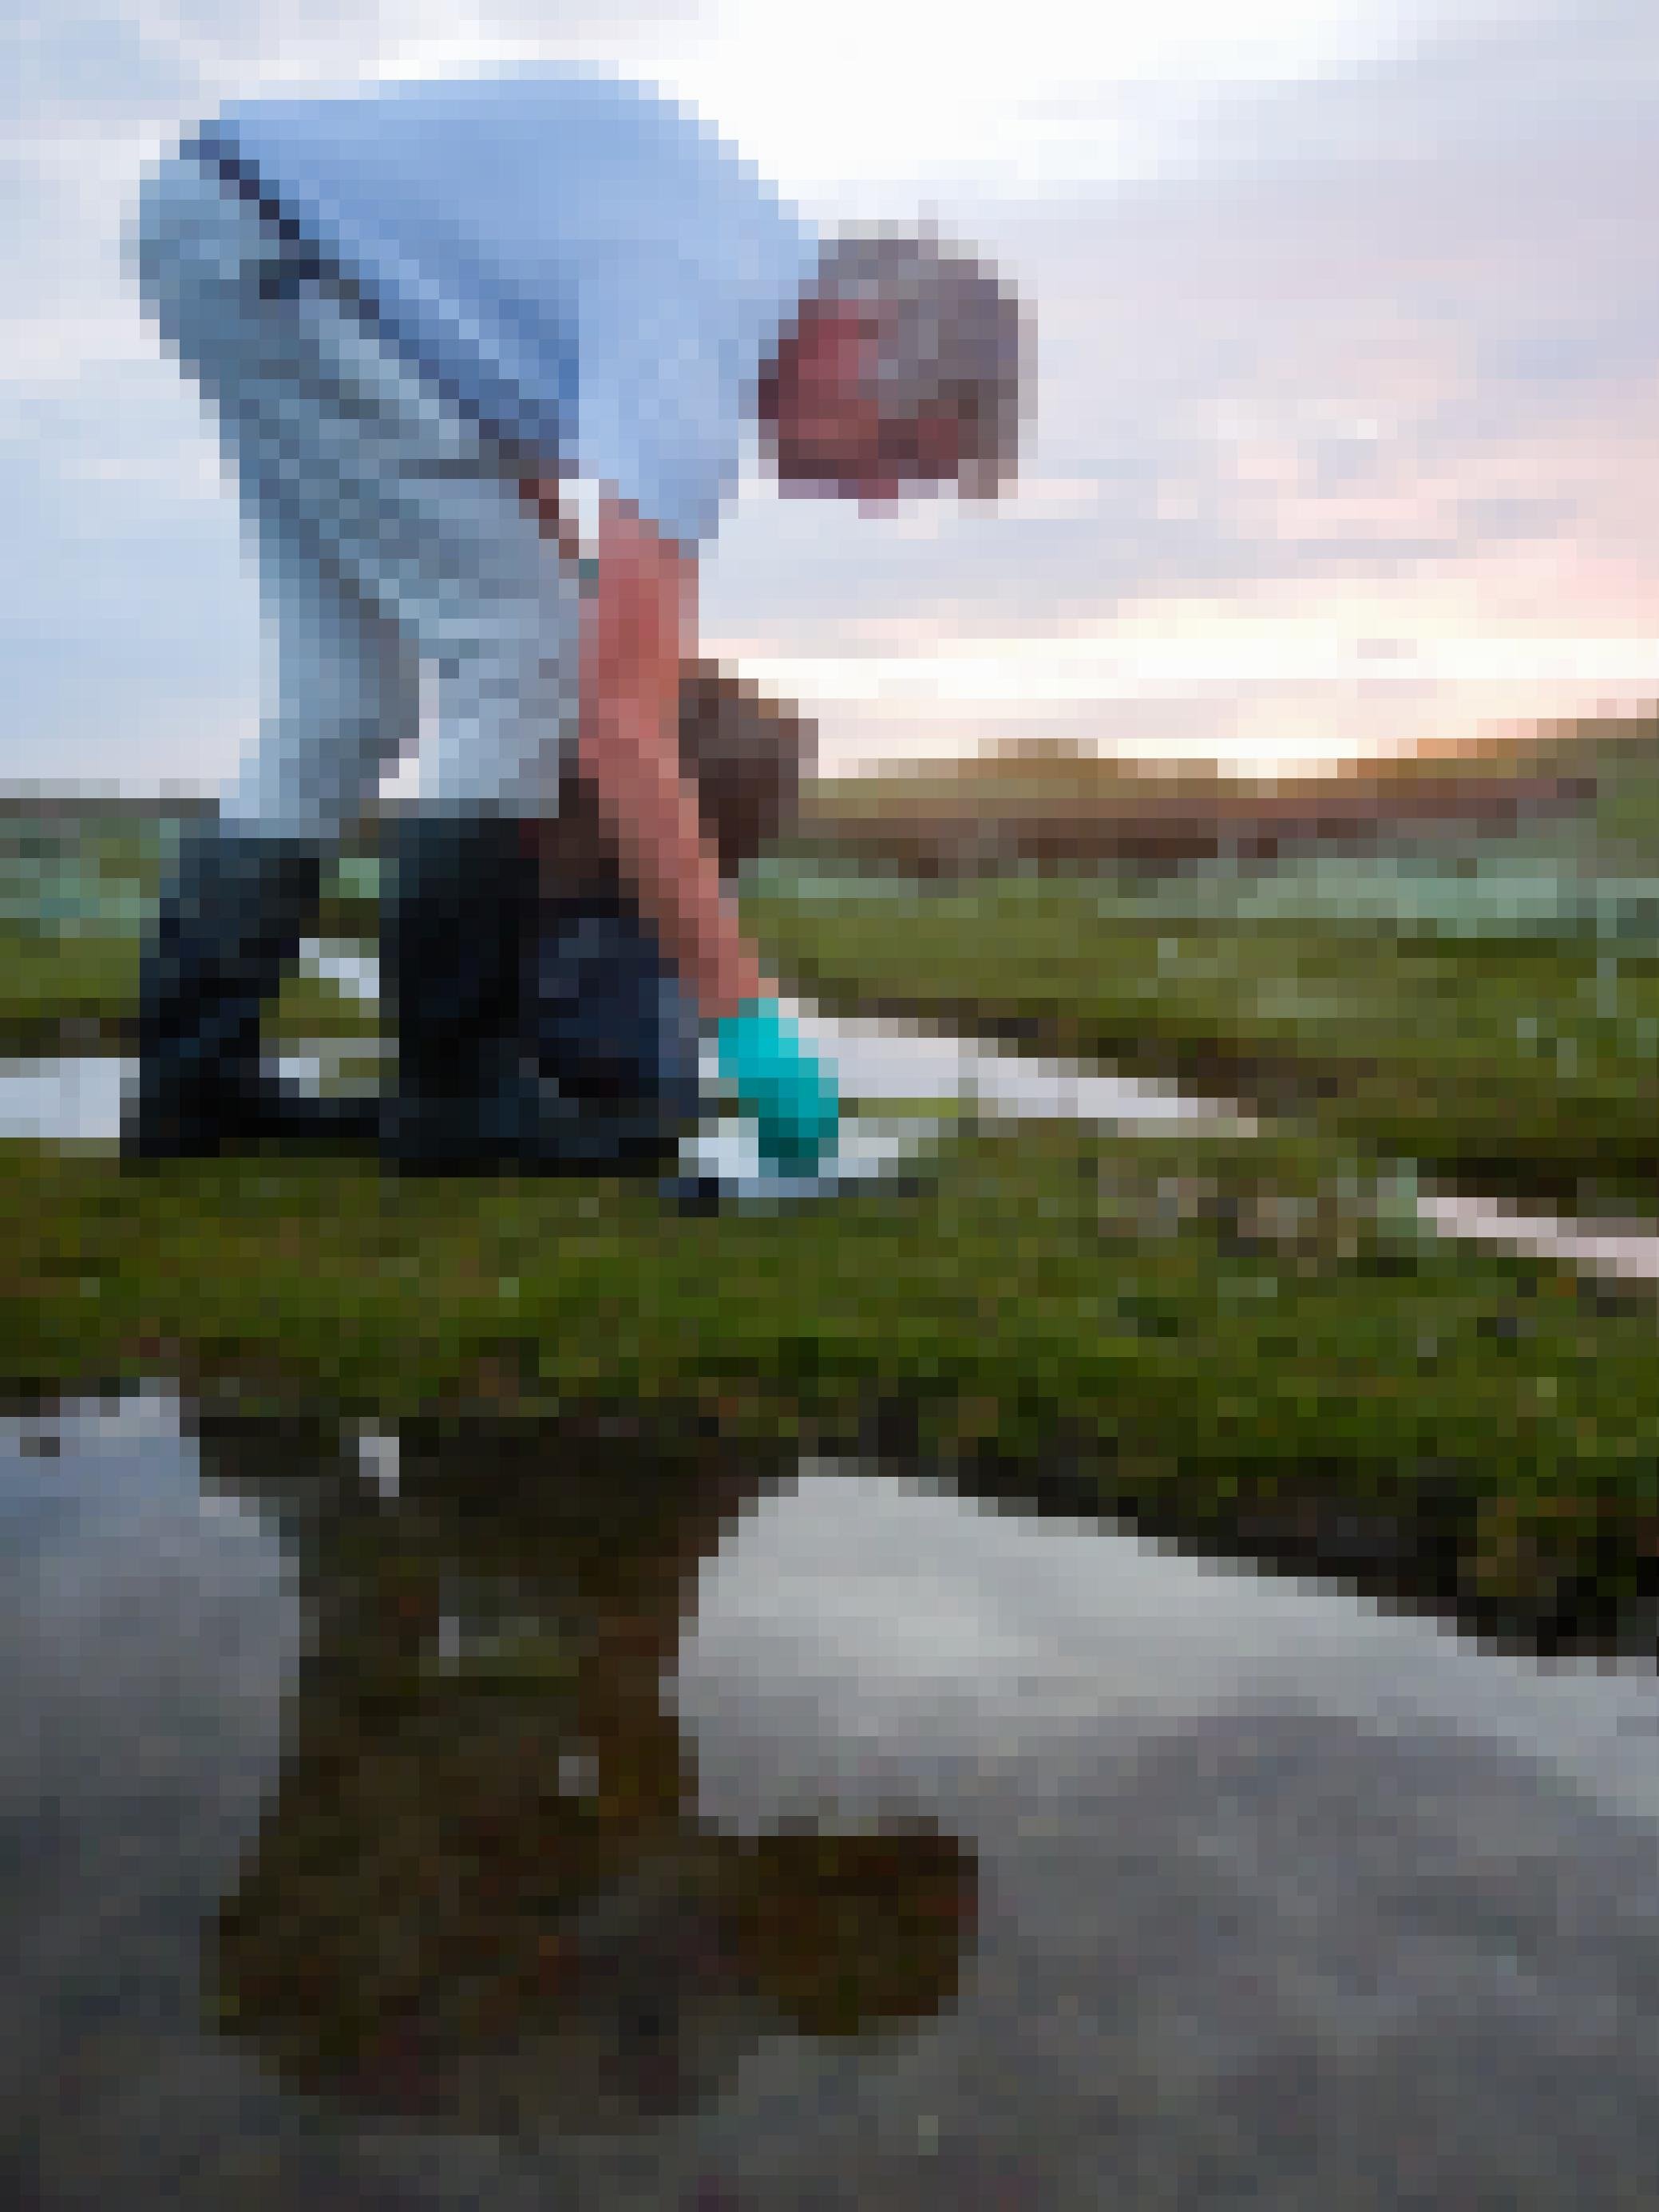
(1048, 801)
(1045, 803)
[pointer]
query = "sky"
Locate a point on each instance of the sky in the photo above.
(1341, 437)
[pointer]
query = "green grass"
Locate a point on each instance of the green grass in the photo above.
(1528, 1067)
(77, 993)
(63, 993)
(71, 988)
(1532, 1067)
(1229, 1338)
(1206, 1332)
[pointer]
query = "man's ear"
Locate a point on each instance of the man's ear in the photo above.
(780, 371)
(767, 389)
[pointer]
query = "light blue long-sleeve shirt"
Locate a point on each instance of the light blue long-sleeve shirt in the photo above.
(579, 261)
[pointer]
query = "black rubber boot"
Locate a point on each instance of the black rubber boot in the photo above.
(462, 944)
(231, 920)
(457, 916)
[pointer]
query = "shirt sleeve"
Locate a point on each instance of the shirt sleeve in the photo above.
(659, 395)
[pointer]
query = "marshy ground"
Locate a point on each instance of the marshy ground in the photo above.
(516, 1696)
(1245, 1332)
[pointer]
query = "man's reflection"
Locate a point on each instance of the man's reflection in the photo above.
(481, 1890)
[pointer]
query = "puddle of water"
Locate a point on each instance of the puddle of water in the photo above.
(79, 1101)
(346, 965)
(63, 1101)
(892, 1059)
(1630, 1249)
(323, 1884)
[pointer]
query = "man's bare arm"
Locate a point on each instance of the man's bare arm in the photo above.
(638, 628)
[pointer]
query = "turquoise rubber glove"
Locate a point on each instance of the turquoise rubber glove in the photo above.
(790, 1095)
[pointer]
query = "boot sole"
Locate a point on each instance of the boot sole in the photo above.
(282, 1124)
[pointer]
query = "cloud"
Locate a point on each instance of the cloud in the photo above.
(1383, 355)
(1378, 350)
(1482, 85)
(1334, 360)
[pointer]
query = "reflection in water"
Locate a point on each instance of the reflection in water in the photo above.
(1268, 1897)
(480, 1892)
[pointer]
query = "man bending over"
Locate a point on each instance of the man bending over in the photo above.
(480, 356)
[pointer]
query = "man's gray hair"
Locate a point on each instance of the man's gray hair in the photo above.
(952, 336)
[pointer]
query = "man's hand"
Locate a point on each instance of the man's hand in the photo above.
(790, 1095)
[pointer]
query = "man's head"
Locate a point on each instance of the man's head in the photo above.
(902, 367)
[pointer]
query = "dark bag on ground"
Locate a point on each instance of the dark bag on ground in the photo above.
(747, 756)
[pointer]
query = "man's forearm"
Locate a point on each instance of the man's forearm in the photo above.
(638, 631)
(633, 763)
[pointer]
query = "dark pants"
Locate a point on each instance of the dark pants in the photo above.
(606, 1016)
